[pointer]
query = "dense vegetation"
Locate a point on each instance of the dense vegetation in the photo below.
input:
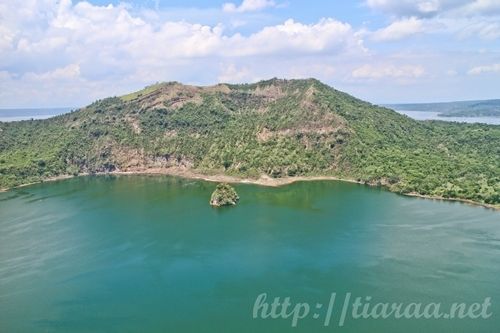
(224, 195)
(486, 108)
(279, 128)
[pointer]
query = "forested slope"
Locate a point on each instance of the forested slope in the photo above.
(277, 127)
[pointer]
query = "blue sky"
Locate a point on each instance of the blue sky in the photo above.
(69, 53)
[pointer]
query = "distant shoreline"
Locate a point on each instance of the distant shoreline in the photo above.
(22, 114)
(435, 115)
(262, 181)
(10, 119)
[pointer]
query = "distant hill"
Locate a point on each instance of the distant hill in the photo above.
(278, 128)
(486, 108)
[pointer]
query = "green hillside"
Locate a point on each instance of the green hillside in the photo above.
(279, 128)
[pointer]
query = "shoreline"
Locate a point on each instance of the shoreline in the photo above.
(439, 198)
(263, 180)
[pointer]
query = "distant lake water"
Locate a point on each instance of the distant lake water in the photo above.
(13, 118)
(426, 115)
(7, 115)
(148, 254)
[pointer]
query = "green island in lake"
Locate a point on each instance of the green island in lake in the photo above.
(224, 195)
(275, 129)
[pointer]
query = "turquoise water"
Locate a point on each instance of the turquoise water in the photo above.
(148, 254)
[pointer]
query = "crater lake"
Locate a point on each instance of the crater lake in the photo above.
(149, 254)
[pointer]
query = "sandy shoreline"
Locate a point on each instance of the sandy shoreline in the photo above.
(262, 181)
(465, 201)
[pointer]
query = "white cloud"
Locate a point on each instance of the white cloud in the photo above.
(71, 71)
(232, 74)
(375, 72)
(399, 29)
(248, 6)
(95, 45)
(482, 7)
(484, 28)
(420, 8)
(430, 8)
(461, 18)
(58, 52)
(328, 35)
(495, 68)
(112, 36)
(4, 76)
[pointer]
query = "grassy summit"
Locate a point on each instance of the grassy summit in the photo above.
(278, 128)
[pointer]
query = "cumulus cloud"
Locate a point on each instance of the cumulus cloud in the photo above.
(248, 6)
(388, 71)
(59, 52)
(495, 68)
(72, 71)
(232, 74)
(113, 46)
(484, 28)
(481, 7)
(419, 8)
(399, 29)
(114, 33)
(328, 35)
(462, 18)
(430, 8)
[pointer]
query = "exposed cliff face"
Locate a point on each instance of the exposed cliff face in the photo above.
(278, 128)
